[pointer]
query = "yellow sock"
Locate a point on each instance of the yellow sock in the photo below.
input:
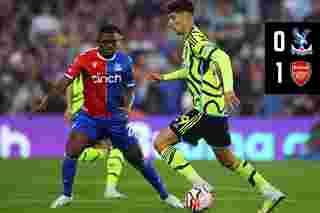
(176, 161)
(92, 154)
(114, 167)
(247, 171)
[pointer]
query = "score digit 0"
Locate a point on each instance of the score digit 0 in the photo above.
(279, 46)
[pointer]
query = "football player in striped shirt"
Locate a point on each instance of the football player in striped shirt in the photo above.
(208, 74)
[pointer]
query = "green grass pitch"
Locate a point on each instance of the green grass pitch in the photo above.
(31, 185)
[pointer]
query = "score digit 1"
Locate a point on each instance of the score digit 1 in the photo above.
(279, 72)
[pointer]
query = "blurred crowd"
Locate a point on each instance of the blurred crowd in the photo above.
(38, 39)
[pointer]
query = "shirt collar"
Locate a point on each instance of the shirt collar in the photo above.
(107, 59)
(189, 33)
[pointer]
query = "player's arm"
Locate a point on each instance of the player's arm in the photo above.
(60, 87)
(68, 97)
(55, 90)
(206, 50)
(175, 75)
(221, 62)
(129, 99)
(130, 83)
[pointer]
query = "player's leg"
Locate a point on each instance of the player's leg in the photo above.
(133, 154)
(75, 145)
(246, 170)
(167, 138)
(220, 142)
(114, 163)
(83, 131)
(114, 166)
(92, 154)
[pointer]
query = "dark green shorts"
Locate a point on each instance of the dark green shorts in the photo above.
(194, 125)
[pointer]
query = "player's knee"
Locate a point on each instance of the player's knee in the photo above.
(75, 146)
(73, 150)
(164, 139)
(159, 146)
(226, 158)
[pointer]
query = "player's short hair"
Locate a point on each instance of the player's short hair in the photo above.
(109, 28)
(179, 6)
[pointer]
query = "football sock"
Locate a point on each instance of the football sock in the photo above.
(68, 172)
(247, 171)
(114, 167)
(151, 175)
(176, 161)
(92, 154)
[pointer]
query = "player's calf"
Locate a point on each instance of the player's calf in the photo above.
(73, 150)
(164, 144)
(248, 172)
(135, 157)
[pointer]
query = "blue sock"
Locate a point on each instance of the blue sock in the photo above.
(68, 172)
(152, 176)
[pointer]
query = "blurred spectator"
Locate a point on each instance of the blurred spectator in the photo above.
(32, 85)
(227, 24)
(297, 9)
(314, 15)
(44, 26)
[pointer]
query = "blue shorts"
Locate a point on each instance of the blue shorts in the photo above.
(100, 128)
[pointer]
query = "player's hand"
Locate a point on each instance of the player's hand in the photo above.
(153, 76)
(68, 114)
(40, 105)
(231, 100)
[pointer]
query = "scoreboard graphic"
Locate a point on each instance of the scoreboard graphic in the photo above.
(292, 58)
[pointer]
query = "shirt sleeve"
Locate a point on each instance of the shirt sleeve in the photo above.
(129, 80)
(74, 69)
(181, 73)
(202, 48)
(222, 62)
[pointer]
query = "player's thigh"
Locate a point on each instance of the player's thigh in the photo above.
(215, 131)
(186, 126)
(124, 140)
(85, 124)
(217, 135)
(120, 135)
(83, 134)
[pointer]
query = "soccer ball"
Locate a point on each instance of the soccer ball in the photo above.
(198, 199)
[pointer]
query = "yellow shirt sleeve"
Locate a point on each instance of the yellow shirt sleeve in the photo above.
(222, 60)
(207, 50)
(176, 75)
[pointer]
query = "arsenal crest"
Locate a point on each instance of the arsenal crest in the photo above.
(300, 72)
